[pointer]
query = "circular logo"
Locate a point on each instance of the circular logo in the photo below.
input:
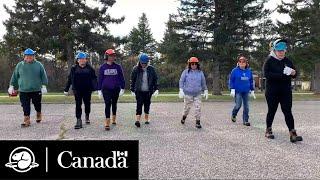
(21, 160)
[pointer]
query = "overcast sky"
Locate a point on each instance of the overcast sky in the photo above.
(157, 12)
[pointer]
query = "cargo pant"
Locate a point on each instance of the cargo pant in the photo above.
(188, 101)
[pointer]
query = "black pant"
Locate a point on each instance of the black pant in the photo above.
(84, 96)
(26, 97)
(143, 99)
(110, 99)
(285, 99)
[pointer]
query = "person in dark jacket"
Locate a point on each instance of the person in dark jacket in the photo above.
(83, 79)
(241, 85)
(144, 84)
(278, 71)
(111, 85)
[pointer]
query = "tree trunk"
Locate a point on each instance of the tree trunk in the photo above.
(216, 78)
(316, 85)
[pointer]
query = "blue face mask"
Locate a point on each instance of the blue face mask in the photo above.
(281, 46)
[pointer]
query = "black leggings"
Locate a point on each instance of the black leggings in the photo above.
(143, 99)
(110, 99)
(285, 99)
(26, 97)
(84, 96)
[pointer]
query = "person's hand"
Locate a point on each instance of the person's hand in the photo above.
(133, 94)
(206, 94)
(252, 94)
(233, 93)
(288, 71)
(121, 92)
(65, 93)
(293, 72)
(11, 90)
(181, 93)
(100, 94)
(44, 90)
(156, 93)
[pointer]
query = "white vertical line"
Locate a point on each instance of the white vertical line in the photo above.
(46, 159)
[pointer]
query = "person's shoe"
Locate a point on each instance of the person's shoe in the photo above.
(87, 119)
(246, 123)
(39, 117)
(294, 137)
(269, 134)
(183, 120)
(26, 121)
(113, 119)
(107, 124)
(78, 124)
(137, 123)
(147, 122)
(146, 118)
(198, 125)
(233, 118)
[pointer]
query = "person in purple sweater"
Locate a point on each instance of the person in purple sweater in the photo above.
(111, 85)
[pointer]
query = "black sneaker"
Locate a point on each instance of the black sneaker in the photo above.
(198, 125)
(233, 118)
(246, 123)
(269, 134)
(137, 123)
(183, 120)
(147, 122)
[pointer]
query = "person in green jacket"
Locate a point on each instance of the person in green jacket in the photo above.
(30, 78)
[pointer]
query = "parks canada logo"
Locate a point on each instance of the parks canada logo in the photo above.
(21, 159)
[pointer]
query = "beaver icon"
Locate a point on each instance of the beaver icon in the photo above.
(22, 160)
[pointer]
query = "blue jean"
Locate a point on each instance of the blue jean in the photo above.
(239, 98)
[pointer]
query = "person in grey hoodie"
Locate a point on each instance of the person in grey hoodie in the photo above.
(192, 83)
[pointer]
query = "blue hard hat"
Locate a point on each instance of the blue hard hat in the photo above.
(143, 58)
(29, 52)
(81, 55)
(280, 45)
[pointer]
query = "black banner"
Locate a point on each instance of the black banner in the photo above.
(69, 159)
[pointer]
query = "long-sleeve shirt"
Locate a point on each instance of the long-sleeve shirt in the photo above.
(82, 79)
(111, 77)
(241, 80)
(29, 77)
(192, 82)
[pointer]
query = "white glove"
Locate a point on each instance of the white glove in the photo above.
(44, 90)
(121, 92)
(206, 94)
(181, 93)
(233, 92)
(65, 93)
(287, 71)
(100, 94)
(252, 94)
(10, 90)
(133, 94)
(156, 93)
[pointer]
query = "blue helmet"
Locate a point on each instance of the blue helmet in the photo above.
(81, 55)
(29, 52)
(280, 45)
(143, 58)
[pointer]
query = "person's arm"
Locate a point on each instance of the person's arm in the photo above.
(121, 76)
(232, 79)
(133, 79)
(44, 78)
(182, 79)
(101, 77)
(203, 82)
(293, 67)
(14, 78)
(251, 80)
(272, 75)
(94, 79)
(155, 78)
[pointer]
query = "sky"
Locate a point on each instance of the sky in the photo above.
(157, 12)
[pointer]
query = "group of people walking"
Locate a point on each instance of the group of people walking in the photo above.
(30, 80)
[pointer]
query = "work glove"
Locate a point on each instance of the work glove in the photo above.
(10, 90)
(100, 94)
(121, 92)
(233, 93)
(44, 90)
(65, 93)
(287, 71)
(206, 94)
(133, 94)
(181, 93)
(252, 94)
(156, 93)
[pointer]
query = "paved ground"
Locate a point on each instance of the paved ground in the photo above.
(221, 149)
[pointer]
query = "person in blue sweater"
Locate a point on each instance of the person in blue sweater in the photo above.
(192, 83)
(241, 85)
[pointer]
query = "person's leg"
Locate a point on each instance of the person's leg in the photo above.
(147, 103)
(25, 103)
(238, 103)
(36, 101)
(87, 105)
(272, 102)
(245, 115)
(78, 96)
(107, 101)
(197, 106)
(114, 102)
(139, 99)
(188, 100)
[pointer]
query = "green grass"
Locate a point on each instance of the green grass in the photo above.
(60, 99)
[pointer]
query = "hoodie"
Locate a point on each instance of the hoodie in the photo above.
(241, 80)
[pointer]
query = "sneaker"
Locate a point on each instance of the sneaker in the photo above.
(39, 117)
(78, 124)
(233, 118)
(147, 122)
(269, 134)
(183, 120)
(87, 119)
(198, 125)
(246, 123)
(137, 123)
(294, 137)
